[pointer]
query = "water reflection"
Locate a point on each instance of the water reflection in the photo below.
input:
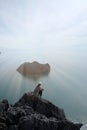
(35, 77)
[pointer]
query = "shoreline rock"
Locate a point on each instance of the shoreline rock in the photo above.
(33, 113)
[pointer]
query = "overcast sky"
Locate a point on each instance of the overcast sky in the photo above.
(25, 23)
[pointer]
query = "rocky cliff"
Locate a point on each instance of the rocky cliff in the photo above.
(33, 113)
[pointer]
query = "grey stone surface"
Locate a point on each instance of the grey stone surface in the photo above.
(33, 113)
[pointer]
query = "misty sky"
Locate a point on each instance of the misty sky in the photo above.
(25, 23)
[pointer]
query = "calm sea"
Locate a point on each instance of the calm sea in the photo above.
(65, 86)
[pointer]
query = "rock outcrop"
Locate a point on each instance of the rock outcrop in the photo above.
(84, 127)
(33, 113)
(34, 68)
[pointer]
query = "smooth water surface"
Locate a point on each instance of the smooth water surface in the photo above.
(65, 86)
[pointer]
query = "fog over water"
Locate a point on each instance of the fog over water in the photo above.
(65, 85)
(48, 31)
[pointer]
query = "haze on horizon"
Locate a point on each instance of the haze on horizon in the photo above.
(26, 23)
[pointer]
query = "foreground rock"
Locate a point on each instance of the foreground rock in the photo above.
(33, 113)
(84, 127)
(33, 68)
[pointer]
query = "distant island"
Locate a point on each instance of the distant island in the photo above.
(33, 68)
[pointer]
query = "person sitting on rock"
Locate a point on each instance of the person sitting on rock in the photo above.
(38, 90)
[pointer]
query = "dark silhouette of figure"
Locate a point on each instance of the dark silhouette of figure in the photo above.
(38, 90)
